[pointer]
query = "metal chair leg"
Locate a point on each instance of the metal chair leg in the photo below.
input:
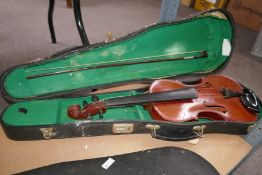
(79, 23)
(50, 20)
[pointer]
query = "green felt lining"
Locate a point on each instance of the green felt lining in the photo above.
(206, 32)
(45, 112)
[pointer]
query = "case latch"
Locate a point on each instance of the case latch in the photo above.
(47, 132)
(199, 130)
(123, 128)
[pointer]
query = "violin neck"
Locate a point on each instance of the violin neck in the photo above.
(172, 95)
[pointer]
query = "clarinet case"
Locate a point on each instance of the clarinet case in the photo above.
(41, 91)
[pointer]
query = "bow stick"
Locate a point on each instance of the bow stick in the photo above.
(203, 54)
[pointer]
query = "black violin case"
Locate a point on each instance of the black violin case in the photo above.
(153, 161)
(41, 91)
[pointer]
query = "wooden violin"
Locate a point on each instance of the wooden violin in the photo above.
(219, 98)
(213, 97)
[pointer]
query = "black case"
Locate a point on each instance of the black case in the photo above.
(36, 130)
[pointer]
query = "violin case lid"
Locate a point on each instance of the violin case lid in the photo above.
(198, 45)
(153, 161)
(43, 89)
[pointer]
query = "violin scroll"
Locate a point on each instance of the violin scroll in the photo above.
(88, 111)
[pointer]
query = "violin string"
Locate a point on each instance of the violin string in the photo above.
(124, 60)
(146, 92)
(162, 102)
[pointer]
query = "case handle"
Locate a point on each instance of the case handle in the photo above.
(181, 134)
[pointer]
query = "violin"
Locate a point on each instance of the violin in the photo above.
(213, 97)
(219, 98)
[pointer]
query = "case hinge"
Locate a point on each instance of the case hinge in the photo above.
(123, 128)
(47, 132)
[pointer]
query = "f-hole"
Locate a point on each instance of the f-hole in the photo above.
(216, 107)
(212, 112)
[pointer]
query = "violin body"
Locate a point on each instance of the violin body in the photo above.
(210, 104)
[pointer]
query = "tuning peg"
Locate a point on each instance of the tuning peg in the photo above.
(85, 103)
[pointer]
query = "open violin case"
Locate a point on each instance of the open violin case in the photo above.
(42, 90)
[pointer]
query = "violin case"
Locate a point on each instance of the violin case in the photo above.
(41, 91)
(152, 161)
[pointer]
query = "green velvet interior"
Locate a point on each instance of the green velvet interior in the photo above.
(44, 112)
(202, 33)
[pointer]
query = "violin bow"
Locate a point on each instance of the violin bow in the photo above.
(202, 54)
